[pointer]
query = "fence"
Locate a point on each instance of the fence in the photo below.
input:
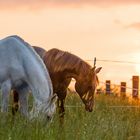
(122, 88)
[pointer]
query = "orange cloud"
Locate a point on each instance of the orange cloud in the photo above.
(37, 4)
(135, 25)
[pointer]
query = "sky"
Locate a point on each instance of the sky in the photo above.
(105, 29)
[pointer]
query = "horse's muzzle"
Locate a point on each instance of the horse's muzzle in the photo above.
(49, 118)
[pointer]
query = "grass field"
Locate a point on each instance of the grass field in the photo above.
(113, 118)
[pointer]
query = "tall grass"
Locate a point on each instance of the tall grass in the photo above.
(112, 119)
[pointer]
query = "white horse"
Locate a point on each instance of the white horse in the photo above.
(22, 69)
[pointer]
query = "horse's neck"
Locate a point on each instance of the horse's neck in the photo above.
(39, 78)
(73, 72)
(42, 89)
(71, 66)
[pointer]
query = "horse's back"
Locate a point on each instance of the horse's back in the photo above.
(12, 45)
(40, 51)
(12, 52)
(11, 58)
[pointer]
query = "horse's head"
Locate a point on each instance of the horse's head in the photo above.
(85, 87)
(42, 109)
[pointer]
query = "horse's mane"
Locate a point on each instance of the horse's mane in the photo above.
(37, 58)
(59, 61)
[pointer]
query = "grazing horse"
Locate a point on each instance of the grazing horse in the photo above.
(64, 66)
(22, 69)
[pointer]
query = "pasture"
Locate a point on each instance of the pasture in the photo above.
(113, 118)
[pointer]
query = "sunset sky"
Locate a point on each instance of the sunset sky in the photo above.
(107, 29)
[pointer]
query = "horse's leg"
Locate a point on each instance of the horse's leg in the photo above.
(6, 87)
(15, 105)
(23, 102)
(61, 109)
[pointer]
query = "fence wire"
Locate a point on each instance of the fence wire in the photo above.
(114, 61)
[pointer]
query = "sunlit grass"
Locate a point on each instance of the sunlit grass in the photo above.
(113, 118)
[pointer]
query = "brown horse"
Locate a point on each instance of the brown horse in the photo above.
(62, 67)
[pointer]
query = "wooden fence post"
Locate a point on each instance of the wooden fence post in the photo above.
(108, 91)
(123, 89)
(98, 91)
(135, 86)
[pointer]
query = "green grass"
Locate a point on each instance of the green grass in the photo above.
(112, 119)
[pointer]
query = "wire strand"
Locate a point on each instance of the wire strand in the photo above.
(114, 61)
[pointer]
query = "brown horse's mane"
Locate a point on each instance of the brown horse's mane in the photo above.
(60, 61)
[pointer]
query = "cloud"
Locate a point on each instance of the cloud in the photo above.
(35, 4)
(17, 4)
(135, 25)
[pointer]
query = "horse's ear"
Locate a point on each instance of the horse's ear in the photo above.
(98, 69)
(54, 98)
